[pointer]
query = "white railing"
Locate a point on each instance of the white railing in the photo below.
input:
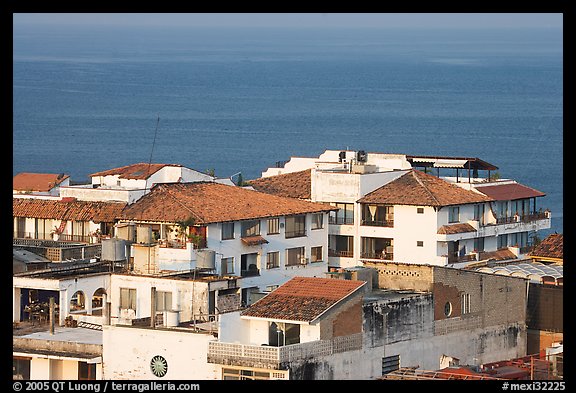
(275, 356)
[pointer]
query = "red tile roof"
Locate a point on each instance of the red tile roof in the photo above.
(421, 189)
(455, 228)
(67, 210)
(509, 192)
(135, 171)
(209, 202)
(498, 255)
(42, 182)
(302, 299)
(551, 247)
(292, 185)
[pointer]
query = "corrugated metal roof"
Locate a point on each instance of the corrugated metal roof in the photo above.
(534, 271)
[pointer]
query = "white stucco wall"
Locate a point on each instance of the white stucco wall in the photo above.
(127, 352)
(276, 242)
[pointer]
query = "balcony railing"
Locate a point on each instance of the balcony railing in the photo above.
(372, 223)
(341, 220)
(61, 237)
(525, 218)
(249, 273)
(341, 253)
(460, 259)
(264, 356)
(388, 256)
(296, 233)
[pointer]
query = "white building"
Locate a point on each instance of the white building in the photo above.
(129, 183)
(38, 185)
(390, 211)
(264, 239)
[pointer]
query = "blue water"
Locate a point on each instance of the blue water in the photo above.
(87, 99)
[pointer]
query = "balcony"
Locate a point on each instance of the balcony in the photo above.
(278, 358)
(341, 220)
(341, 253)
(527, 218)
(250, 273)
(388, 256)
(372, 223)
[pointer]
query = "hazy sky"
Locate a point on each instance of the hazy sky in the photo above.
(410, 20)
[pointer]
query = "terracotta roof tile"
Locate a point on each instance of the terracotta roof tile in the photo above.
(455, 228)
(67, 210)
(209, 202)
(498, 255)
(292, 185)
(509, 192)
(135, 171)
(551, 247)
(421, 189)
(302, 299)
(37, 181)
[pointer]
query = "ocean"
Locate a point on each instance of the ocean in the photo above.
(88, 98)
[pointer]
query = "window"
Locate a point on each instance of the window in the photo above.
(250, 228)
(86, 371)
(77, 302)
(128, 299)
(163, 301)
(448, 309)
(390, 363)
(344, 214)
(273, 225)
(465, 303)
(318, 221)
(227, 265)
(502, 241)
(316, 254)
(295, 226)
(479, 244)
(273, 260)
(227, 230)
(479, 213)
(419, 243)
(420, 210)
(295, 256)
(454, 214)
(20, 368)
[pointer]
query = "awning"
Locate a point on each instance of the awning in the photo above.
(509, 192)
(254, 240)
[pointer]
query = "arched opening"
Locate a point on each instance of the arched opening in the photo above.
(78, 302)
(98, 301)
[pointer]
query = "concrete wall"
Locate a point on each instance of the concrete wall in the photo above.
(187, 296)
(128, 351)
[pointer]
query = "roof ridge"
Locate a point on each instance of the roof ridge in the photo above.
(424, 186)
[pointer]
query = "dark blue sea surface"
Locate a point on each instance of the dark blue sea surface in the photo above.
(86, 99)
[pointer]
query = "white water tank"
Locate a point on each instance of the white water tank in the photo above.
(206, 259)
(171, 318)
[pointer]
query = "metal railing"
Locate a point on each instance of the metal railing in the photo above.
(388, 256)
(373, 223)
(340, 253)
(341, 220)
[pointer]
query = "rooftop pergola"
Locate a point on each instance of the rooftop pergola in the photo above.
(471, 164)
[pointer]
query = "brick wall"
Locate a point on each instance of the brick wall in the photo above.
(403, 276)
(344, 320)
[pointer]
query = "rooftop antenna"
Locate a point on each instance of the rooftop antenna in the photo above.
(152, 152)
